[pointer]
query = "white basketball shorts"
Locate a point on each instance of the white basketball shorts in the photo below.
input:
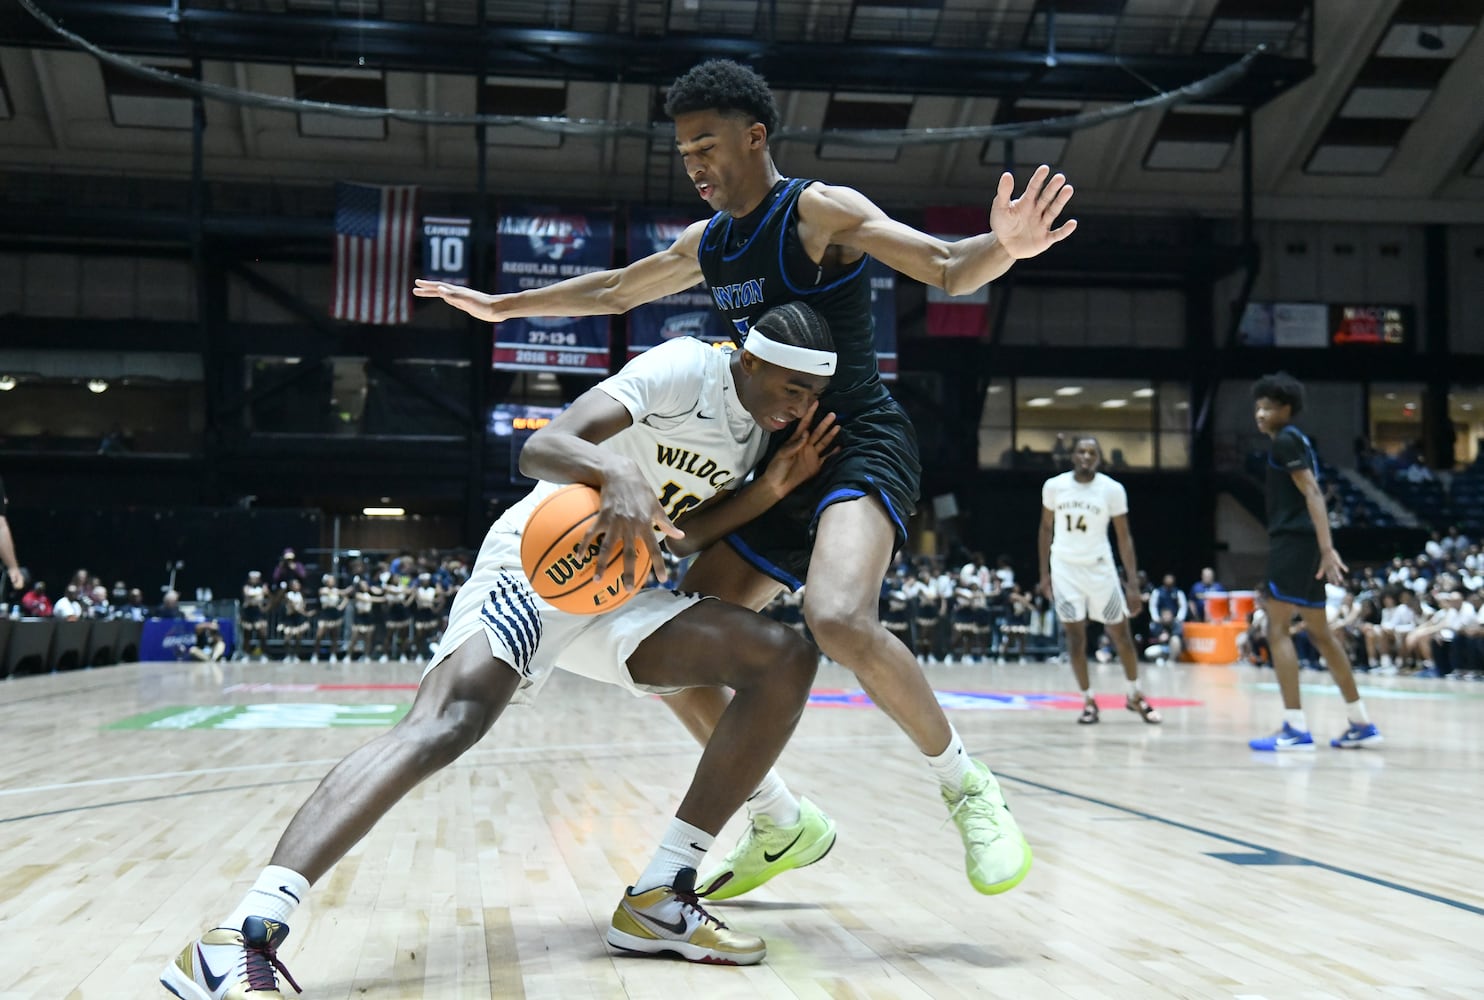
(1088, 590)
(533, 637)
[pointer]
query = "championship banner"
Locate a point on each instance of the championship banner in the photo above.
(539, 247)
(957, 315)
(690, 313)
(884, 315)
(446, 249)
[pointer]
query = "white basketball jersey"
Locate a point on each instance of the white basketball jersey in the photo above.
(1082, 514)
(691, 436)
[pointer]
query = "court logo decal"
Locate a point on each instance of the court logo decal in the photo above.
(281, 715)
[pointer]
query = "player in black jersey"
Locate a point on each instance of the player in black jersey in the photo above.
(775, 239)
(1301, 557)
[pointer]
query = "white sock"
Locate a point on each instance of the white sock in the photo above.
(1133, 689)
(773, 800)
(274, 895)
(683, 846)
(1087, 696)
(953, 764)
(1356, 713)
(1295, 718)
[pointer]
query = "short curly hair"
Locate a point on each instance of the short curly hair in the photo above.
(1281, 388)
(725, 86)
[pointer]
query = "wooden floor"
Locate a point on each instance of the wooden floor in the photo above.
(1170, 861)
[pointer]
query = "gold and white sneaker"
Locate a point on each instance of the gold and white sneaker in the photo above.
(224, 964)
(670, 918)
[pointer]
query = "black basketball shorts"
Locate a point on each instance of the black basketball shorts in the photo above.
(877, 458)
(1293, 559)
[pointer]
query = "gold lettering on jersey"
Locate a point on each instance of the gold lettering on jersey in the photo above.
(693, 464)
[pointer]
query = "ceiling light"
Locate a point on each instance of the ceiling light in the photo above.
(996, 389)
(97, 385)
(1144, 393)
(384, 511)
(1113, 404)
(1391, 395)
(1040, 401)
(1069, 390)
(7, 383)
(1466, 406)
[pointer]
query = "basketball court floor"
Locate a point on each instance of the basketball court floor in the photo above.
(139, 802)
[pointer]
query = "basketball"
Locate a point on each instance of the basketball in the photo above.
(560, 568)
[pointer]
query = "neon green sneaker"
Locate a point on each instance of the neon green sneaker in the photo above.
(767, 849)
(996, 855)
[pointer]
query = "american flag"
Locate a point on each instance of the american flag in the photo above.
(373, 253)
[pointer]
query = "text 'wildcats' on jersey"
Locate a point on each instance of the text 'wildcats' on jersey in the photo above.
(1082, 513)
(691, 437)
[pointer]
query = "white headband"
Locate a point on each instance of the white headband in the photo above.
(799, 359)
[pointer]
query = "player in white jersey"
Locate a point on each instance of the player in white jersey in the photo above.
(1078, 572)
(679, 425)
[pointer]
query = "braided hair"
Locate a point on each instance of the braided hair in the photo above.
(725, 86)
(797, 325)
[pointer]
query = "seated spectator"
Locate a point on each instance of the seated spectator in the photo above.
(99, 607)
(1169, 597)
(210, 646)
(68, 607)
(133, 607)
(170, 606)
(1252, 645)
(35, 603)
(1165, 639)
(1207, 584)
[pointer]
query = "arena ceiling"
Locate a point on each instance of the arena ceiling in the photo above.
(1363, 109)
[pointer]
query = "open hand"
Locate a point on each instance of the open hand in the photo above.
(1023, 226)
(480, 305)
(1331, 567)
(804, 454)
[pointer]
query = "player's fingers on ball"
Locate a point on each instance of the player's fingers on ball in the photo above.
(656, 558)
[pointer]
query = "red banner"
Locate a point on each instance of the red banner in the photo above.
(957, 315)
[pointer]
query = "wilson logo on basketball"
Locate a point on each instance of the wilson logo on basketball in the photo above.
(562, 564)
(569, 565)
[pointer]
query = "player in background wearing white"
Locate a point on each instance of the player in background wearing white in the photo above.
(680, 425)
(1078, 573)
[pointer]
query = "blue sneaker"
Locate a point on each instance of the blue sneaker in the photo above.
(1286, 738)
(1358, 735)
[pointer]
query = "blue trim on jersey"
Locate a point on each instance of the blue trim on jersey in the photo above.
(759, 563)
(783, 267)
(1293, 600)
(778, 200)
(1313, 454)
(706, 233)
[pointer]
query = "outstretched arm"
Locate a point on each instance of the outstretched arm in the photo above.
(1020, 228)
(598, 293)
